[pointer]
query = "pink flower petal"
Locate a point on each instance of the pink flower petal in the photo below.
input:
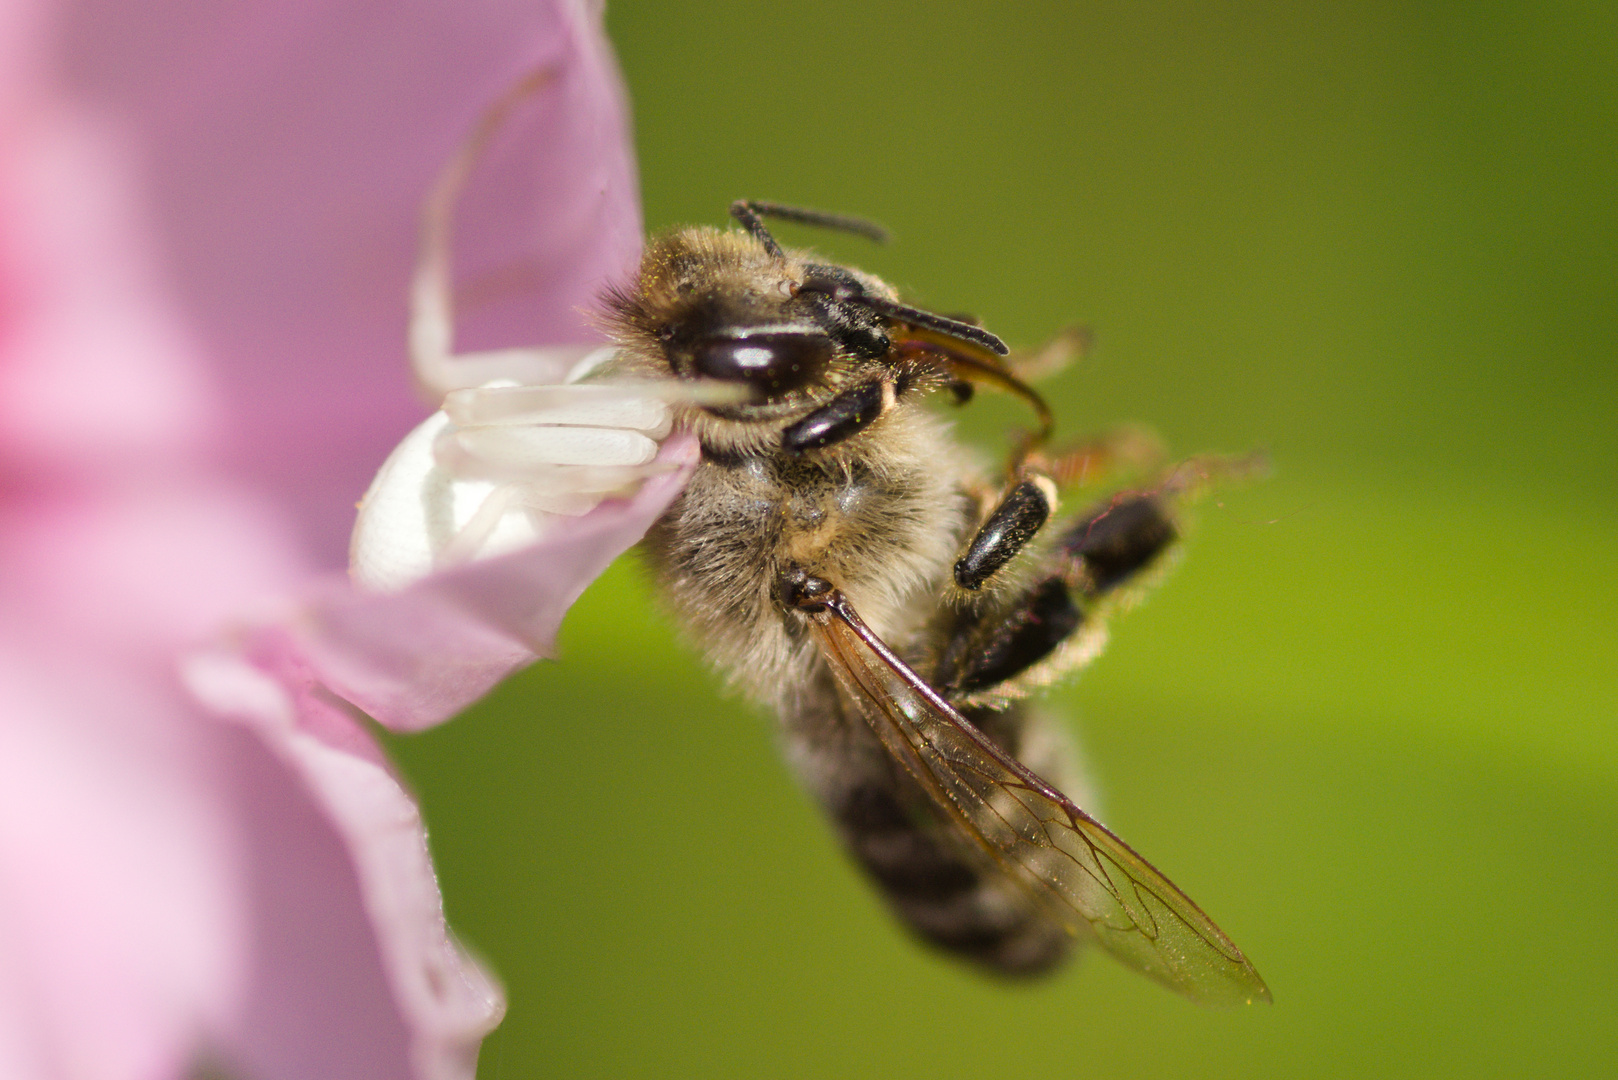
(288, 148)
(123, 937)
(415, 658)
(100, 378)
(447, 1002)
(235, 190)
(122, 893)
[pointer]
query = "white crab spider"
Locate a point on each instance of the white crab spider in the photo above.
(519, 439)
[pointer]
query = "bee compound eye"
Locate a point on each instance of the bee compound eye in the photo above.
(775, 363)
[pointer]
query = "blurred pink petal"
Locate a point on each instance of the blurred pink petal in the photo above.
(207, 221)
(123, 923)
(122, 907)
(447, 1002)
(287, 149)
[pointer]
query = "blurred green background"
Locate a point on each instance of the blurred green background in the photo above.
(1369, 721)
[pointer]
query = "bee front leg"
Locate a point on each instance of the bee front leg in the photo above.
(843, 417)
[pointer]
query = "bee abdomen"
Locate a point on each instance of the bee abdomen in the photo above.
(915, 857)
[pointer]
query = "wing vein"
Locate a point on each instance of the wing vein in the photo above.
(1020, 826)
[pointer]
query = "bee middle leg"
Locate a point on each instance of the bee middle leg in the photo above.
(1030, 500)
(1105, 549)
(1022, 510)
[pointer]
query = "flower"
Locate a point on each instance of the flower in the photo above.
(207, 224)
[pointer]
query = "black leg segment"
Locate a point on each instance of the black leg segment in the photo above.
(845, 415)
(984, 654)
(1118, 540)
(1012, 524)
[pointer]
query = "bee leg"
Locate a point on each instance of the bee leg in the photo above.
(1031, 499)
(1103, 550)
(844, 416)
(1071, 345)
(1103, 459)
(436, 366)
(982, 653)
(1022, 510)
(1113, 542)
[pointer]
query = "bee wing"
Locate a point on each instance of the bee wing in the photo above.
(1066, 860)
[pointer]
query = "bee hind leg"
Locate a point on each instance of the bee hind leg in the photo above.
(984, 652)
(1113, 543)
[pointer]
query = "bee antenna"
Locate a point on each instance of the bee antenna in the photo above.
(954, 328)
(751, 213)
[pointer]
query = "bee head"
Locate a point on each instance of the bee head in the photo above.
(736, 309)
(712, 305)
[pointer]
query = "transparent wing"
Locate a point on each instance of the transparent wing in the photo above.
(1069, 864)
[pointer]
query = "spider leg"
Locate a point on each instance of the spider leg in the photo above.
(437, 368)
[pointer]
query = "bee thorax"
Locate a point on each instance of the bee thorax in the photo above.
(752, 538)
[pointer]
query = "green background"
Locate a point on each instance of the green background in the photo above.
(1368, 723)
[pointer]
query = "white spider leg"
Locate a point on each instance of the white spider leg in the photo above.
(432, 316)
(518, 511)
(641, 405)
(534, 366)
(593, 405)
(538, 445)
(516, 429)
(510, 515)
(557, 481)
(480, 528)
(527, 454)
(487, 472)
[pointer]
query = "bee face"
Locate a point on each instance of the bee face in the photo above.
(719, 306)
(821, 352)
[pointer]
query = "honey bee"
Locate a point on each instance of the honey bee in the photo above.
(846, 562)
(838, 553)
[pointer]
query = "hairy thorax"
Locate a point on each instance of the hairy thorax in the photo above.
(880, 516)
